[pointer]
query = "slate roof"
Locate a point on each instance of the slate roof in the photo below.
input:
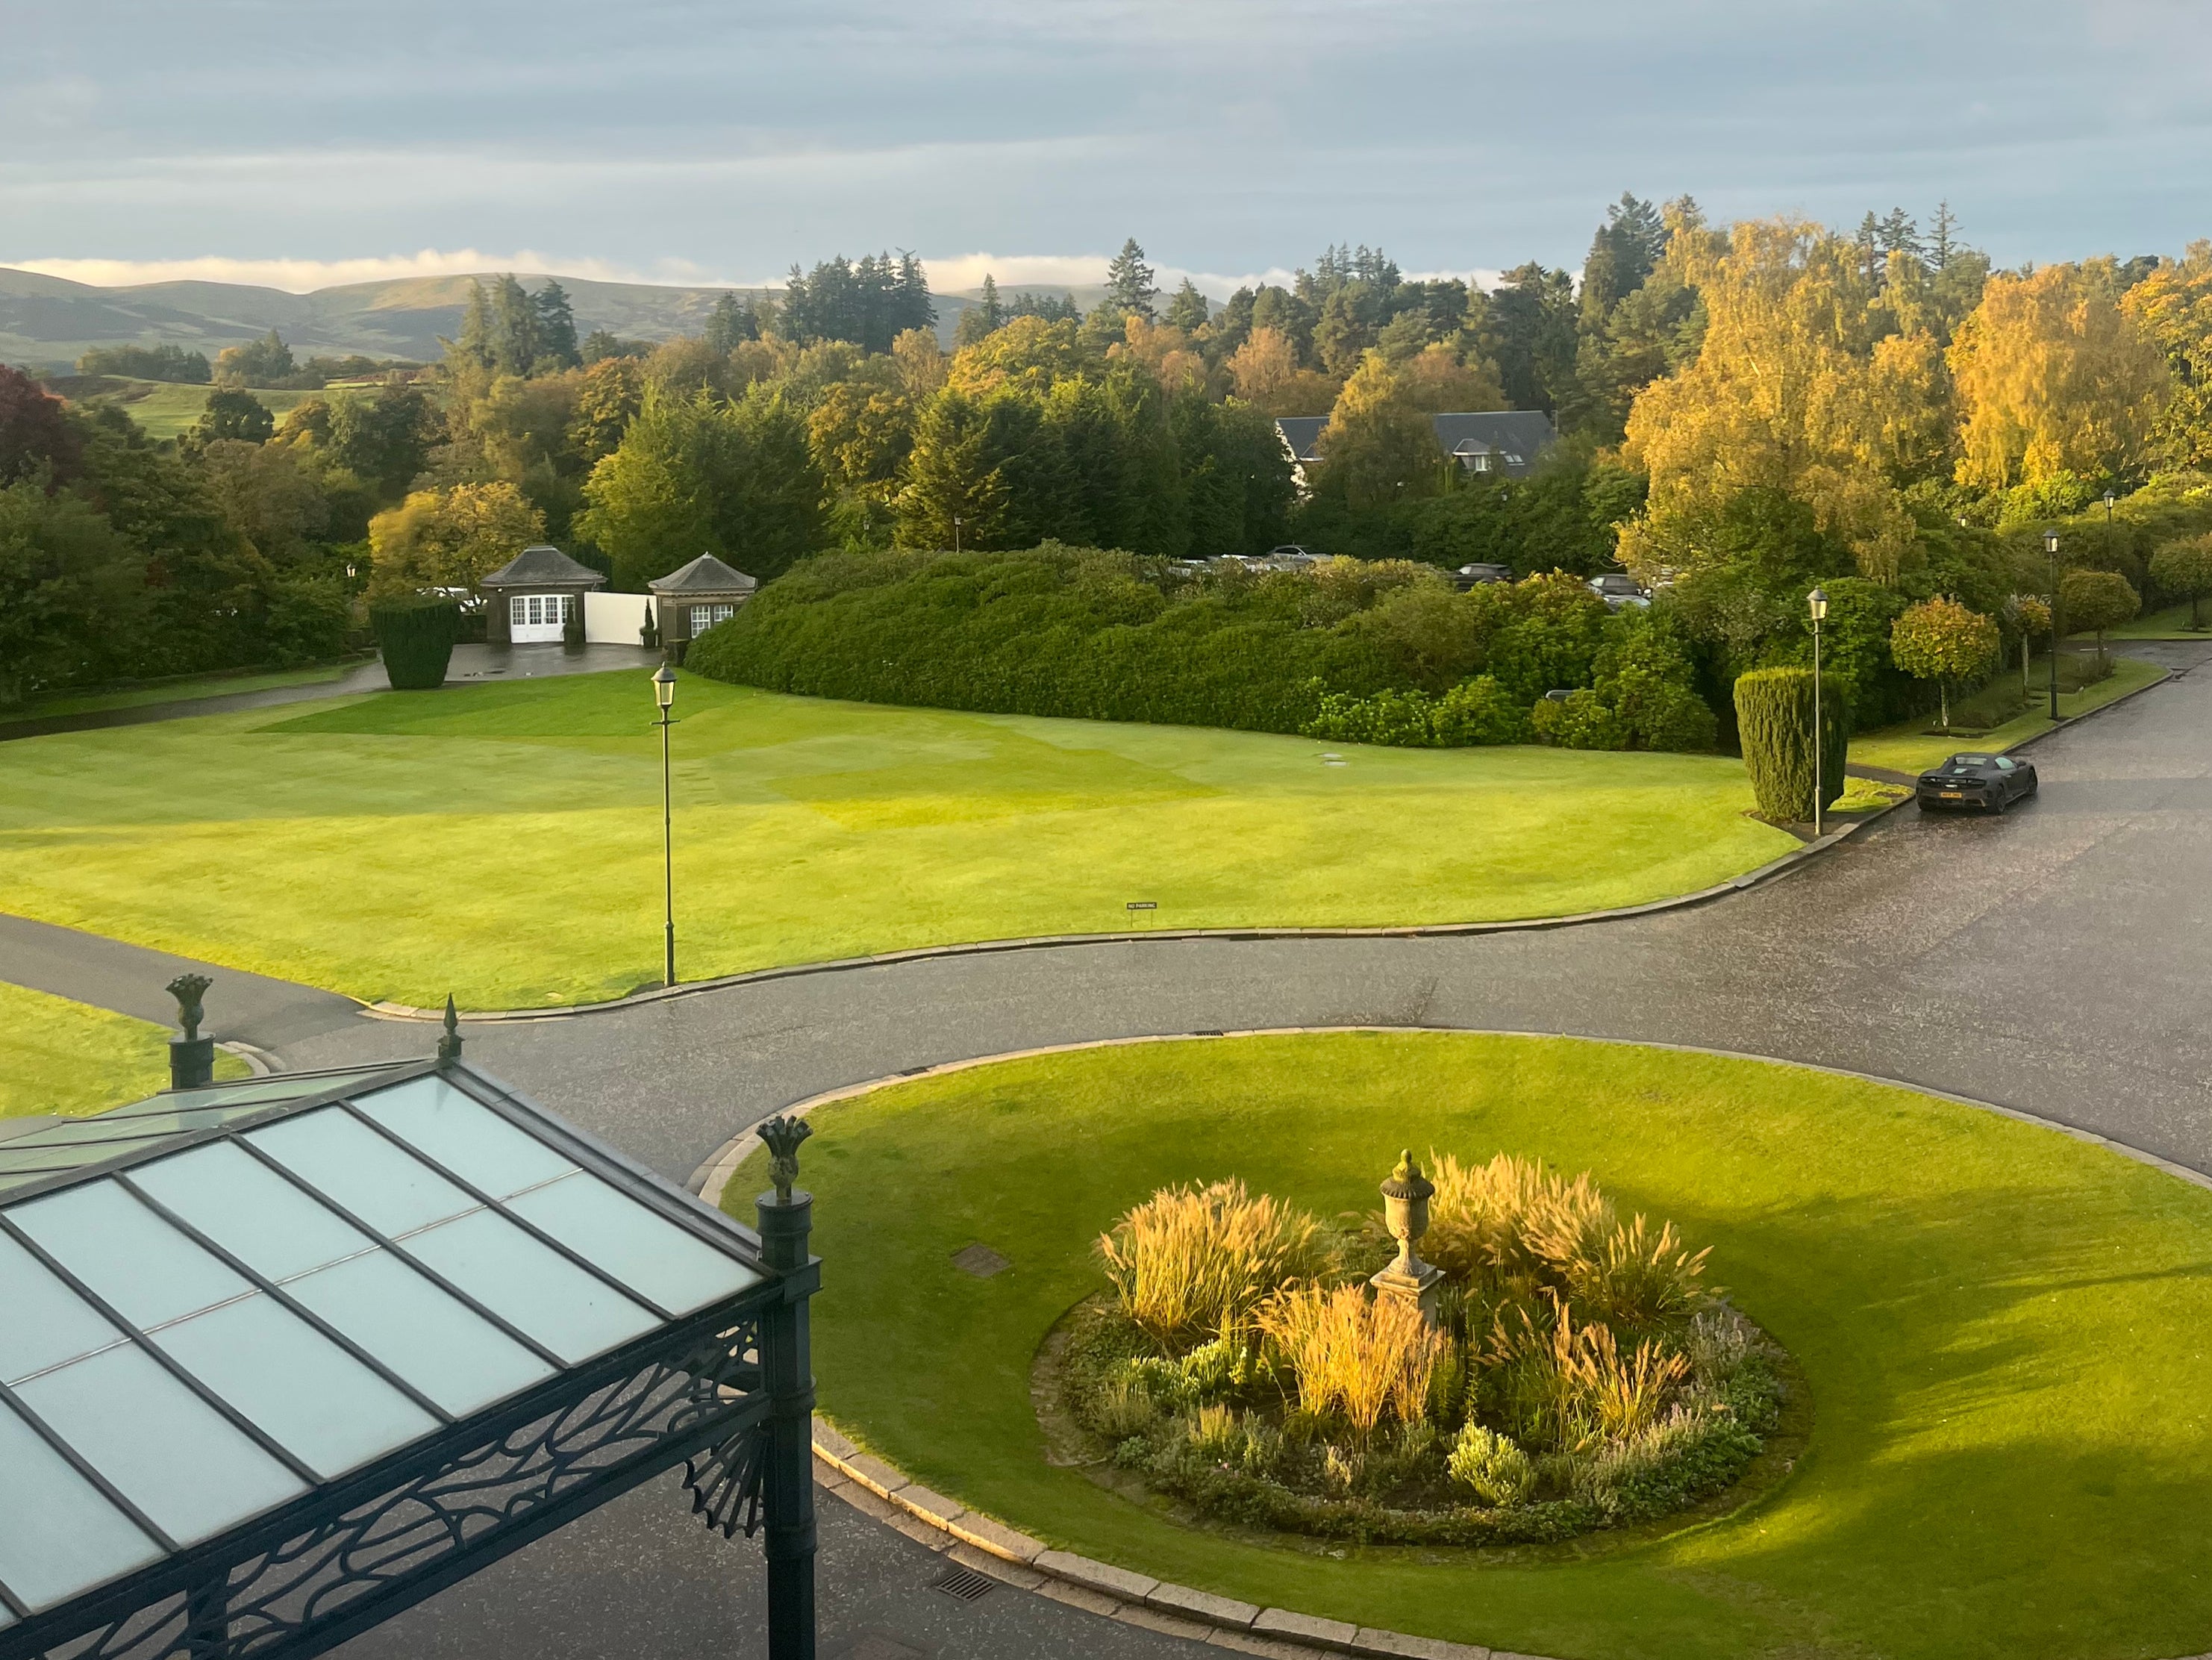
(705, 574)
(1517, 436)
(542, 567)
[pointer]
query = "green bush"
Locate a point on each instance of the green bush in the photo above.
(416, 635)
(1774, 716)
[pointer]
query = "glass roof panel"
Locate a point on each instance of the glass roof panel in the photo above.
(59, 1534)
(145, 1269)
(249, 1209)
(299, 1388)
(42, 1322)
(648, 1253)
(531, 1286)
(438, 1344)
(465, 1136)
(337, 1154)
(166, 1450)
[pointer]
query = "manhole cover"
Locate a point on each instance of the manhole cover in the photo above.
(980, 1261)
(965, 1584)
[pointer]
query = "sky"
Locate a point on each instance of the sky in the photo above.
(322, 141)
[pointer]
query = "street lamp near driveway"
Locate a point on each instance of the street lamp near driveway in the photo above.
(2051, 547)
(1817, 603)
(664, 698)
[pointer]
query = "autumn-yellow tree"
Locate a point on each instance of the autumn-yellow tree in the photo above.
(2054, 380)
(450, 538)
(1378, 447)
(1942, 641)
(2172, 308)
(1790, 391)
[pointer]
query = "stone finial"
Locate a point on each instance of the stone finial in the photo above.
(781, 1136)
(449, 1046)
(1406, 1195)
(187, 990)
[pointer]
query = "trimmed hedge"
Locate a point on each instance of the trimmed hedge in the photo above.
(416, 636)
(1774, 716)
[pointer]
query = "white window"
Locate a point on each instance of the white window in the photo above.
(705, 617)
(517, 613)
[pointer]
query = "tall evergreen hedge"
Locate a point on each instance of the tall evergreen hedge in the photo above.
(1774, 718)
(415, 634)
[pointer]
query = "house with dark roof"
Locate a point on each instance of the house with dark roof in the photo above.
(691, 600)
(530, 599)
(1506, 442)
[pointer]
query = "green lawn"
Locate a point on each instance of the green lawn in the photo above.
(504, 841)
(2171, 624)
(168, 691)
(60, 1056)
(1908, 747)
(165, 408)
(2004, 1330)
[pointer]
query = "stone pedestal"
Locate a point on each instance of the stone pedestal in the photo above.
(1419, 1287)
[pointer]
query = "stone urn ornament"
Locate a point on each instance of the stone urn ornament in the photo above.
(1405, 1198)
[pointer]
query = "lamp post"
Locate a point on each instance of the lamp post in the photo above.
(1817, 603)
(956, 533)
(664, 696)
(2051, 547)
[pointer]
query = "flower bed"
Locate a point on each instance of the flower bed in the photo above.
(1577, 1371)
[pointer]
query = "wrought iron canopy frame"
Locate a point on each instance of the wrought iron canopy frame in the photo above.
(724, 1387)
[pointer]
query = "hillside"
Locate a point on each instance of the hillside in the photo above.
(46, 322)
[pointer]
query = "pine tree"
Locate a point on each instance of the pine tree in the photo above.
(474, 346)
(1188, 311)
(731, 323)
(1942, 242)
(557, 324)
(514, 342)
(1130, 285)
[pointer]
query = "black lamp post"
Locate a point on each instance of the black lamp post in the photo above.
(664, 695)
(1817, 603)
(2051, 547)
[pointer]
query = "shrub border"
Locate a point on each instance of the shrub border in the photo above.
(880, 1489)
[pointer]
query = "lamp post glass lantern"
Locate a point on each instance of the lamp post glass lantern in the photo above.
(664, 698)
(1817, 603)
(2051, 547)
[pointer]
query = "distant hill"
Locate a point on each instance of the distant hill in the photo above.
(46, 322)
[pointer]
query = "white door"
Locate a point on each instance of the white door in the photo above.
(533, 618)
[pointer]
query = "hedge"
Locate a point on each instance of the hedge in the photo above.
(416, 636)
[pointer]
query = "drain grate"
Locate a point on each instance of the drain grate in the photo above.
(965, 1584)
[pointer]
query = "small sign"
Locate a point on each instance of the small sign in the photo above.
(1143, 904)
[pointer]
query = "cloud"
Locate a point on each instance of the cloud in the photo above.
(305, 276)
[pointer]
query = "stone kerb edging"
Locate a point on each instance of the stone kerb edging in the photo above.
(389, 1011)
(977, 1541)
(881, 1490)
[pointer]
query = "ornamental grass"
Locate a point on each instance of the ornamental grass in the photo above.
(1354, 1354)
(1192, 1263)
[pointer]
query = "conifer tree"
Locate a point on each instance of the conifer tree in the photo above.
(1131, 287)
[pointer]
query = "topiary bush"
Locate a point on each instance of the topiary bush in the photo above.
(416, 635)
(1774, 718)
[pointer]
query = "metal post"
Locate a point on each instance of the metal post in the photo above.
(1820, 738)
(667, 860)
(191, 1057)
(207, 1618)
(787, 1482)
(2050, 546)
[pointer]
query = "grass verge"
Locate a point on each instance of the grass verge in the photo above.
(170, 692)
(2000, 1327)
(504, 841)
(1909, 748)
(2171, 623)
(69, 1058)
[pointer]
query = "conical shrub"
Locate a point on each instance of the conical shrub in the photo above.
(1774, 717)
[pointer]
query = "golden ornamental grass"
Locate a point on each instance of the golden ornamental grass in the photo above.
(1581, 1376)
(1633, 1278)
(1510, 1218)
(1193, 1261)
(1354, 1354)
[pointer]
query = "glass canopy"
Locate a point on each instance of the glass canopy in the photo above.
(220, 1304)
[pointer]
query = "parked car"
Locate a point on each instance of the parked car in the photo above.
(1468, 576)
(1992, 782)
(1618, 589)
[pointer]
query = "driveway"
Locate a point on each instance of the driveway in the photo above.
(2053, 960)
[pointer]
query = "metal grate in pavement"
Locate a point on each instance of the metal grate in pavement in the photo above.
(965, 1584)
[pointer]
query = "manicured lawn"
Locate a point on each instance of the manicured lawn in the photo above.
(2002, 1328)
(164, 409)
(170, 691)
(2171, 624)
(504, 841)
(1909, 748)
(60, 1056)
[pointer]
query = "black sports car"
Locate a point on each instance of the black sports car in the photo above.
(1992, 782)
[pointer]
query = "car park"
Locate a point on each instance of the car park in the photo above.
(1989, 782)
